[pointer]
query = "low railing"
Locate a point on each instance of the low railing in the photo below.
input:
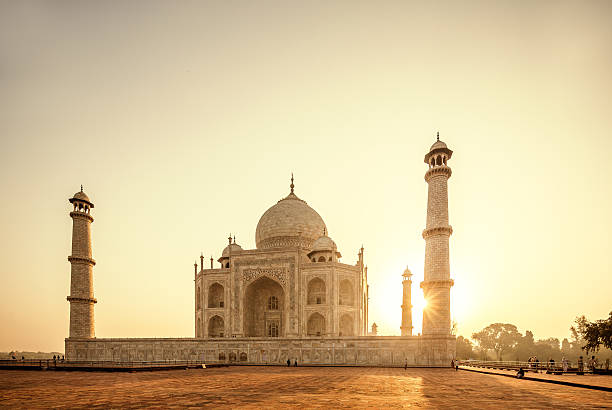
(548, 367)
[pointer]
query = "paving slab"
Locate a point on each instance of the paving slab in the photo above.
(301, 387)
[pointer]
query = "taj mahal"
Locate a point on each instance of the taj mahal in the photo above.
(289, 298)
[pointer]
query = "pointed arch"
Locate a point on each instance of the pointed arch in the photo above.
(316, 292)
(216, 295)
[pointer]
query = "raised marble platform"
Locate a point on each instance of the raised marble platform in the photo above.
(416, 351)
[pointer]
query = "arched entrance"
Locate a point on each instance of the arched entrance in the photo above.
(264, 304)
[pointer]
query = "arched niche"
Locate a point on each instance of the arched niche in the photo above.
(316, 325)
(216, 326)
(316, 292)
(216, 296)
(345, 293)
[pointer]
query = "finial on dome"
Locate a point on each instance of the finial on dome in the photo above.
(229, 238)
(324, 231)
(81, 187)
(234, 238)
(292, 186)
(438, 135)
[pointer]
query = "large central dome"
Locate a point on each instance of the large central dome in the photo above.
(291, 222)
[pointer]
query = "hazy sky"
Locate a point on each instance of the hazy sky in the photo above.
(184, 121)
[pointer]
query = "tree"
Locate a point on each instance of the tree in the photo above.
(525, 346)
(464, 348)
(595, 333)
(500, 337)
(565, 346)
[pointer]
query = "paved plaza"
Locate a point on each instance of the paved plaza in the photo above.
(268, 387)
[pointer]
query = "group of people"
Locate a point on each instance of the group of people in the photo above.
(289, 363)
(534, 363)
(58, 358)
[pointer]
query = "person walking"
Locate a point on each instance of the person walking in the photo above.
(288, 362)
(564, 364)
(406, 365)
(295, 364)
(580, 365)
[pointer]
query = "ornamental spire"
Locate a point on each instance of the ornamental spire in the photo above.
(438, 135)
(292, 186)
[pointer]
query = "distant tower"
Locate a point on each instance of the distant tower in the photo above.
(81, 269)
(406, 304)
(437, 282)
(374, 329)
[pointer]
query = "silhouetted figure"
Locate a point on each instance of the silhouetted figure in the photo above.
(23, 358)
(580, 365)
(593, 363)
(551, 364)
(295, 364)
(406, 365)
(288, 362)
(520, 374)
(53, 357)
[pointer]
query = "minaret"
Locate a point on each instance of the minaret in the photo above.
(406, 304)
(437, 282)
(81, 269)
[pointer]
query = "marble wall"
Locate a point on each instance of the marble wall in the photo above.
(424, 351)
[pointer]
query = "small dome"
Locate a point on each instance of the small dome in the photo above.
(438, 144)
(324, 243)
(82, 196)
(233, 248)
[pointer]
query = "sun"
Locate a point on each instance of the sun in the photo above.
(419, 303)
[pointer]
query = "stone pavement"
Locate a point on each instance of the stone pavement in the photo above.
(267, 387)
(587, 379)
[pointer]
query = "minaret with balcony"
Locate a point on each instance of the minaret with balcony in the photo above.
(81, 297)
(437, 282)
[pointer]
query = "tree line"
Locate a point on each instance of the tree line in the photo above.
(503, 341)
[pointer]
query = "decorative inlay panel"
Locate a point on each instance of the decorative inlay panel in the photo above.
(279, 274)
